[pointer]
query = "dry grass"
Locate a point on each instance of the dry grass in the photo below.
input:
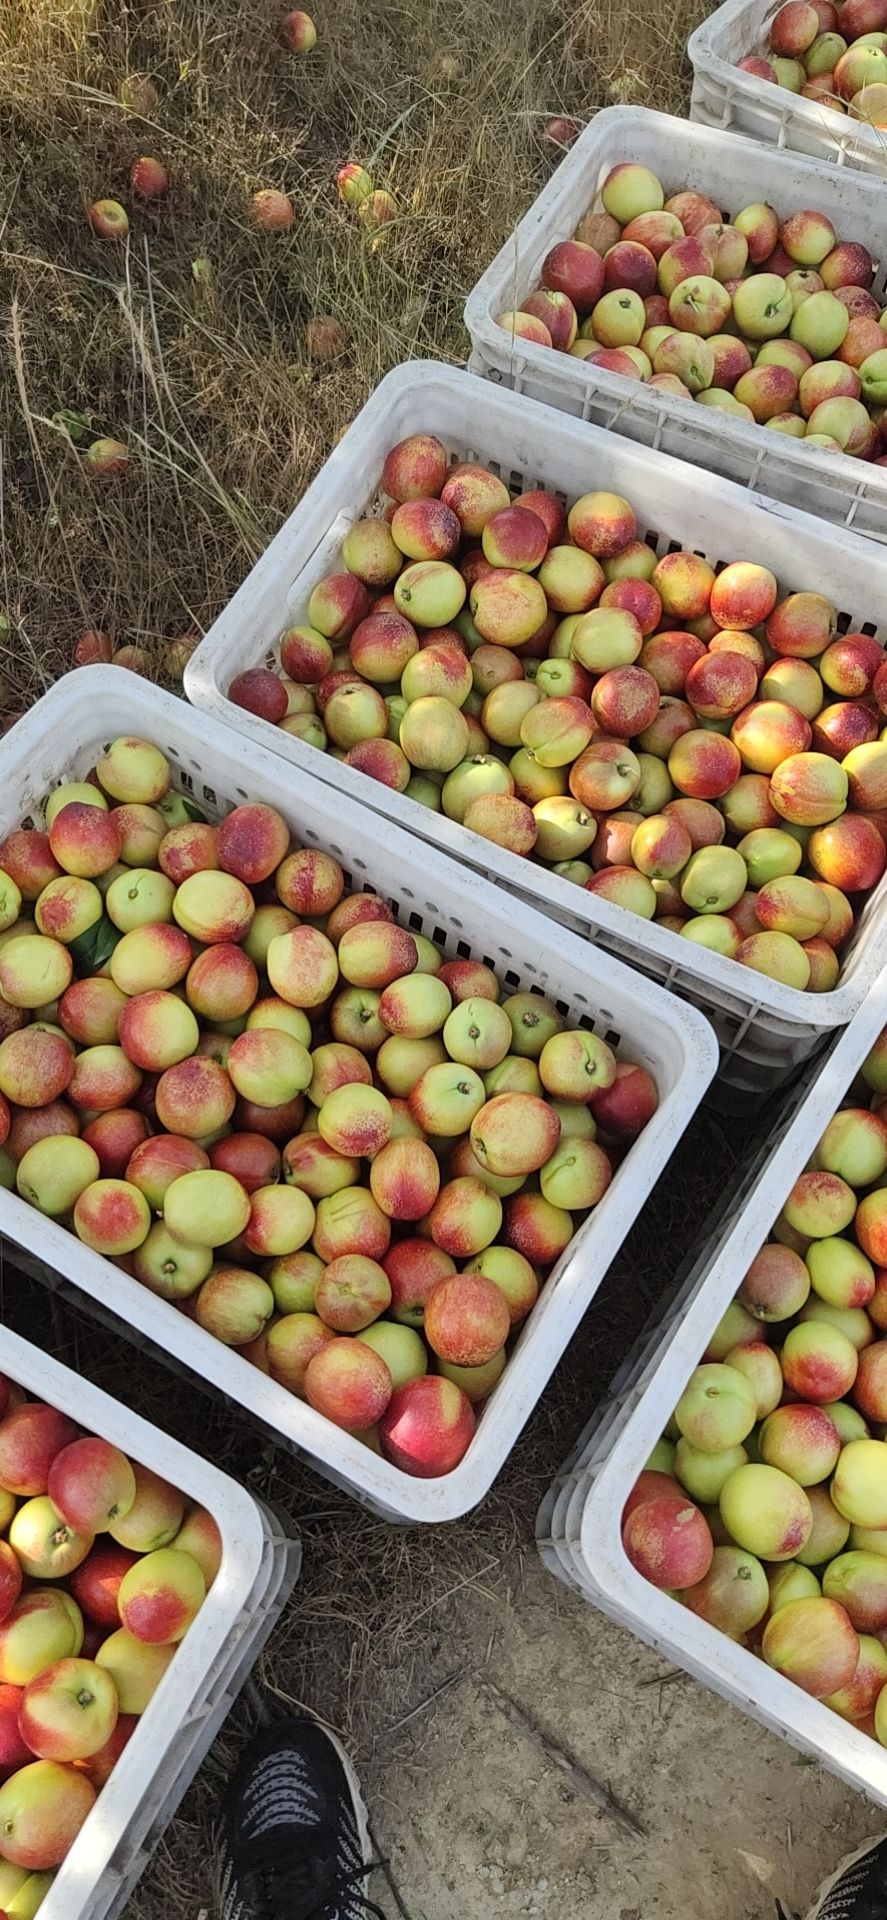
(226, 420)
(212, 389)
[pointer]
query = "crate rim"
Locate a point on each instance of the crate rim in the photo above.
(596, 1488)
(93, 692)
(312, 528)
(574, 376)
(845, 138)
(184, 1686)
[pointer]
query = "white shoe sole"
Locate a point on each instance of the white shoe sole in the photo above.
(850, 1860)
(360, 1807)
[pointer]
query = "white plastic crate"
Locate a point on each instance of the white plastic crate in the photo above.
(259, 1567)
(765, 1029)
(724, 96)
(734, 173)
(579, 1521)
(61, 738)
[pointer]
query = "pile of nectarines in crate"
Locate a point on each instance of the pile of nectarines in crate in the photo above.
(104, 1565)
(766, 316)
(699, 746)
(836, 54)
(763, 1508)
(344, 1156)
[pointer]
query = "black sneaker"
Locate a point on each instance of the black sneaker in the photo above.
(293, 1838)
(858, 1888)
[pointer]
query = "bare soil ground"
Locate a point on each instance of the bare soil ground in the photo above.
(393, 1637)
